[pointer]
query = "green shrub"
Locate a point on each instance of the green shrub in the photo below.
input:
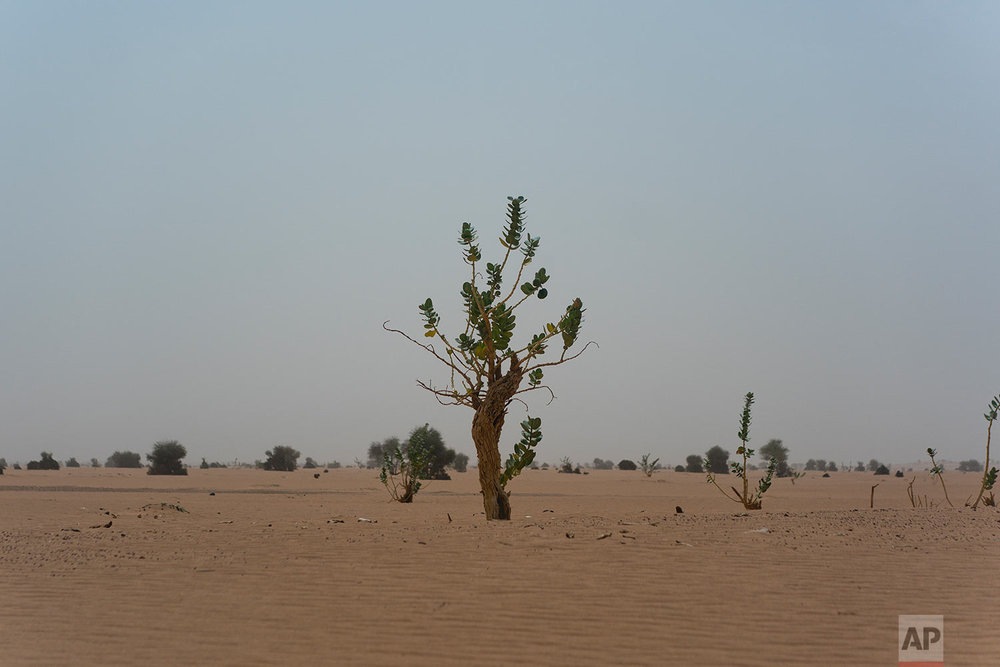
(694, 464)
(282, 458)
(46, 463)
(716, 461)
(165, 459)
(627, 464)
(124, 460)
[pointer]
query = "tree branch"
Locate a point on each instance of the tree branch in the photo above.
(453, 396)
(563, 359)
(546, 387)
(430, 348)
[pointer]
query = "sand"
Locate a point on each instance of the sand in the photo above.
(280, 568)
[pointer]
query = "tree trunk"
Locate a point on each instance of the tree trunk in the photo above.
(486, 427)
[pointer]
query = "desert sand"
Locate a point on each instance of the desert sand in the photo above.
(598, 569)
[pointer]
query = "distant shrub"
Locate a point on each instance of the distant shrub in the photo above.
(717, 461)
(972, 465)
(694, 464)
(881, 470)
(377, 452)
(3, 465)
(333, 464)
(566, 465)
(310, 463)
(282, 458)
(626, 464)
(16, 466)
(461, 463)
(72, 462)
(124, 460)
(165, 459)
(46, 463)
(782, 469)
(204, 464)
(437, 455)
(899, 473)
(94, 463)
(678, 468)
(601, 464)
(831, 467)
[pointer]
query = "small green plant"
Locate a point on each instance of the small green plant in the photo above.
(938, 470)
(524, 450)
(749, 501)
(989, 474)
(402, 470)
(648, 466)
(795, 474)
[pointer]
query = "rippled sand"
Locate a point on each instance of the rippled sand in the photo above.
(599, 569)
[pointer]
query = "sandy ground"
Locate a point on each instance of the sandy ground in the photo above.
(278, 568)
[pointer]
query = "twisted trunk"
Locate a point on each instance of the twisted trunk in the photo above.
(486, 427)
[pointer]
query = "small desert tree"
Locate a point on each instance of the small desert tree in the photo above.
(282, 458)
(165, 459)
(485, 369)
(694, 464)
(461, 463)
(71, 462)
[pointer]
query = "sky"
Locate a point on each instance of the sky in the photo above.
(207, 210)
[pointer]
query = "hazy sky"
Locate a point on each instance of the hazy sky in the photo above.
(207, 209)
